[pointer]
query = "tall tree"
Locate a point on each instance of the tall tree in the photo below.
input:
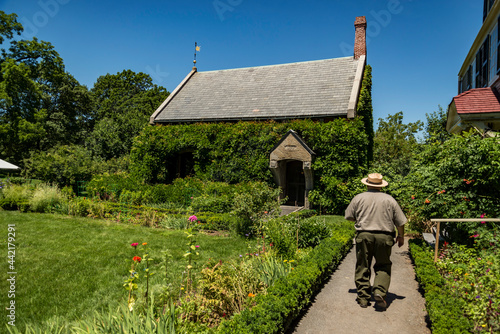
(123, 104)
(394, 145)
(435, 127)
(41, 105)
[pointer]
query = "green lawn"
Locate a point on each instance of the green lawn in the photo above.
(68, 267)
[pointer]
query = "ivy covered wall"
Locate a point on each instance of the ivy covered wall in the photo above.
(237, 152)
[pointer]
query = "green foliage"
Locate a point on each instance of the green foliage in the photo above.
(395, 145)
(239, 152)
(365, 109)
(15, 196)
(9, 26)
(120, 320)
(312, 231)
(253, 204)
(224, 289)
(275, 311)
(459, 178)
(435, 127)
(46, 198)
(41, 105)
(66, 165)
(445, 310)
(473, 275)
(123, 104)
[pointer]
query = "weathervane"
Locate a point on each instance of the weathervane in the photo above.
(196, 49)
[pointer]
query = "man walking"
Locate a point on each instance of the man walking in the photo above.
(376, 215)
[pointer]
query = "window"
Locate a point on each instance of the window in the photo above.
(482, 64)
(498, 44)
(466, 81)
(487, 7)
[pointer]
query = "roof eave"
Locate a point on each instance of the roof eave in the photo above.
(152, 119)
(356, 87)
(235, 119)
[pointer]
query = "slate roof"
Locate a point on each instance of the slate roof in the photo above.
(478, 101)
(321, 88)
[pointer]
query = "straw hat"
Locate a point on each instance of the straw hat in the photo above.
(375, 180)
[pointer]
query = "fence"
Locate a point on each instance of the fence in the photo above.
(455, 220)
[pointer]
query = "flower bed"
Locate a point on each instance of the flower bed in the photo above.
(276, 310)
(449, 303)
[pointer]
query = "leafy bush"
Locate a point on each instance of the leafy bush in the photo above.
(105, 185)
(15, 196)
(275, 311)
(223, 290)
(445, 309)
(473, 275)
(256, 201)
(65, 165)
(46, 198)
(459, 178)
(312, 231)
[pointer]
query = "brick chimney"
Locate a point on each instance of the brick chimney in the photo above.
(360, 37)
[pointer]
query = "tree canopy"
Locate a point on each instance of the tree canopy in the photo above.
(42, 106)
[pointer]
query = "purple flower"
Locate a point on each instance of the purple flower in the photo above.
(477, 297)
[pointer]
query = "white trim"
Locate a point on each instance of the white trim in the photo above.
(356, 87)
(171, 96)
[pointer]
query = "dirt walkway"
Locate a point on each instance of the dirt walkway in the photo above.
(335, 309)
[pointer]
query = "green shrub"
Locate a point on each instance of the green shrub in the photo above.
(275, 311)
(46, 198)
(110, 186)
(281, 233)
(446, 312)
(459, 178)
(312, 231)
(219, 204)
(15, 196)
(256, 201)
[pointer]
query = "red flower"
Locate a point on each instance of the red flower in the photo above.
(427, 201)
(135, 244)
(137, 259)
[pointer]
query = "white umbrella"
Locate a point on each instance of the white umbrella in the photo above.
(7, 165)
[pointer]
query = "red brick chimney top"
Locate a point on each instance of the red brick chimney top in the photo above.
(360, 37)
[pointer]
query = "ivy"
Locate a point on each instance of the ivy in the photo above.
(239, 152)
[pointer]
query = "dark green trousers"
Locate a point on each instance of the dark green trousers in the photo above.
(368, 246)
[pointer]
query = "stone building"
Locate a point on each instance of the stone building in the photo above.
(320, 90)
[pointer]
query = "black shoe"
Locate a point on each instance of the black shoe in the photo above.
(380, 301)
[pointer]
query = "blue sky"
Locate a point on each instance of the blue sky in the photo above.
(416, 47)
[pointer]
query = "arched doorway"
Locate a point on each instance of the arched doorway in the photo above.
(290, 163)
(295, 183)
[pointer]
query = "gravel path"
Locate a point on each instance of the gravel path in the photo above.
(335, 310)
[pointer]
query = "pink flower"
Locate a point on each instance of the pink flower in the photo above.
(197, 246)
(192, 218)
(135, 244)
